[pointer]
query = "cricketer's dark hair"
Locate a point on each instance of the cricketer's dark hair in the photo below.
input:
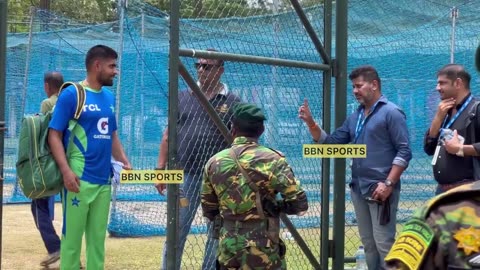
(99, 52)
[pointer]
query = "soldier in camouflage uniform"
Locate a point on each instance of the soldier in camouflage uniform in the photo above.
(249, 234)
(443, 235)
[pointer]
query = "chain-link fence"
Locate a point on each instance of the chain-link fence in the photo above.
(408, 41)
(278, 90)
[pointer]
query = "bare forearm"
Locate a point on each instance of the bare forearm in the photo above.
(315, 131)
(163, 151)
(117, 150)
(58, 150)
(395, 173)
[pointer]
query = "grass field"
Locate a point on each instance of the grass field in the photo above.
(24, 249)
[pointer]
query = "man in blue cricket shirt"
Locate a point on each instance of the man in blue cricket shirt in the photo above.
(375, 183)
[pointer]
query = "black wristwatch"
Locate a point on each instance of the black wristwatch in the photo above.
(388, 183)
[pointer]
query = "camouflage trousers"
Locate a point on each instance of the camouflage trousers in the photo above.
(249, 258)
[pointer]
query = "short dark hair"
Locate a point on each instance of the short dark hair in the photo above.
(249, 129)
(219, 62)
(455, 71)
(54, 79)
(369, 74)
(99, 52)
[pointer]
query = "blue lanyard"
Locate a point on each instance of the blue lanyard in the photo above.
(361, 123)
(452, 120)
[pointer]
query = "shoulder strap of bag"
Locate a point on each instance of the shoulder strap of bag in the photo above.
(251, 184)
(80, 97)
(78, 111)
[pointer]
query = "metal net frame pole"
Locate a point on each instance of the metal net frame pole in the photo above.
(3, 74)
(121, 6)
(339, 165)
(27, 58)
(454, 16)
(173, 190)
(325, 243)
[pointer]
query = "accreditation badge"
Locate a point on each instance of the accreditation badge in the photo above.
(412, 245)
(435, 155)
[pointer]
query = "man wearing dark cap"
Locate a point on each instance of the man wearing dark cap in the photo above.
(198, 139)
(445, 233)
(240, 185)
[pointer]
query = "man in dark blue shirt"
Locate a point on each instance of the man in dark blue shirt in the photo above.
(198, 140)
(375, 183)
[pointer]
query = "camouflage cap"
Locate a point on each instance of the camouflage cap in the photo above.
(477, 58)
(247, 112)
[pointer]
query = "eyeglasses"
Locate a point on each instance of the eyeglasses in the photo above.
(205, 66)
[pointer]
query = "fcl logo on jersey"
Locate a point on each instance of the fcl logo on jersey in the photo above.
(102, 125)
(92, 108)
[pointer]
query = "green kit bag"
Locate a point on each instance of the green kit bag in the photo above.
(37, 172)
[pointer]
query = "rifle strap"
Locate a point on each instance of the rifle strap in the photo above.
(250, 183)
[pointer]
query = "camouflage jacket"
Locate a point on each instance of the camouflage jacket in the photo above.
(443, 235)
(226, 191)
